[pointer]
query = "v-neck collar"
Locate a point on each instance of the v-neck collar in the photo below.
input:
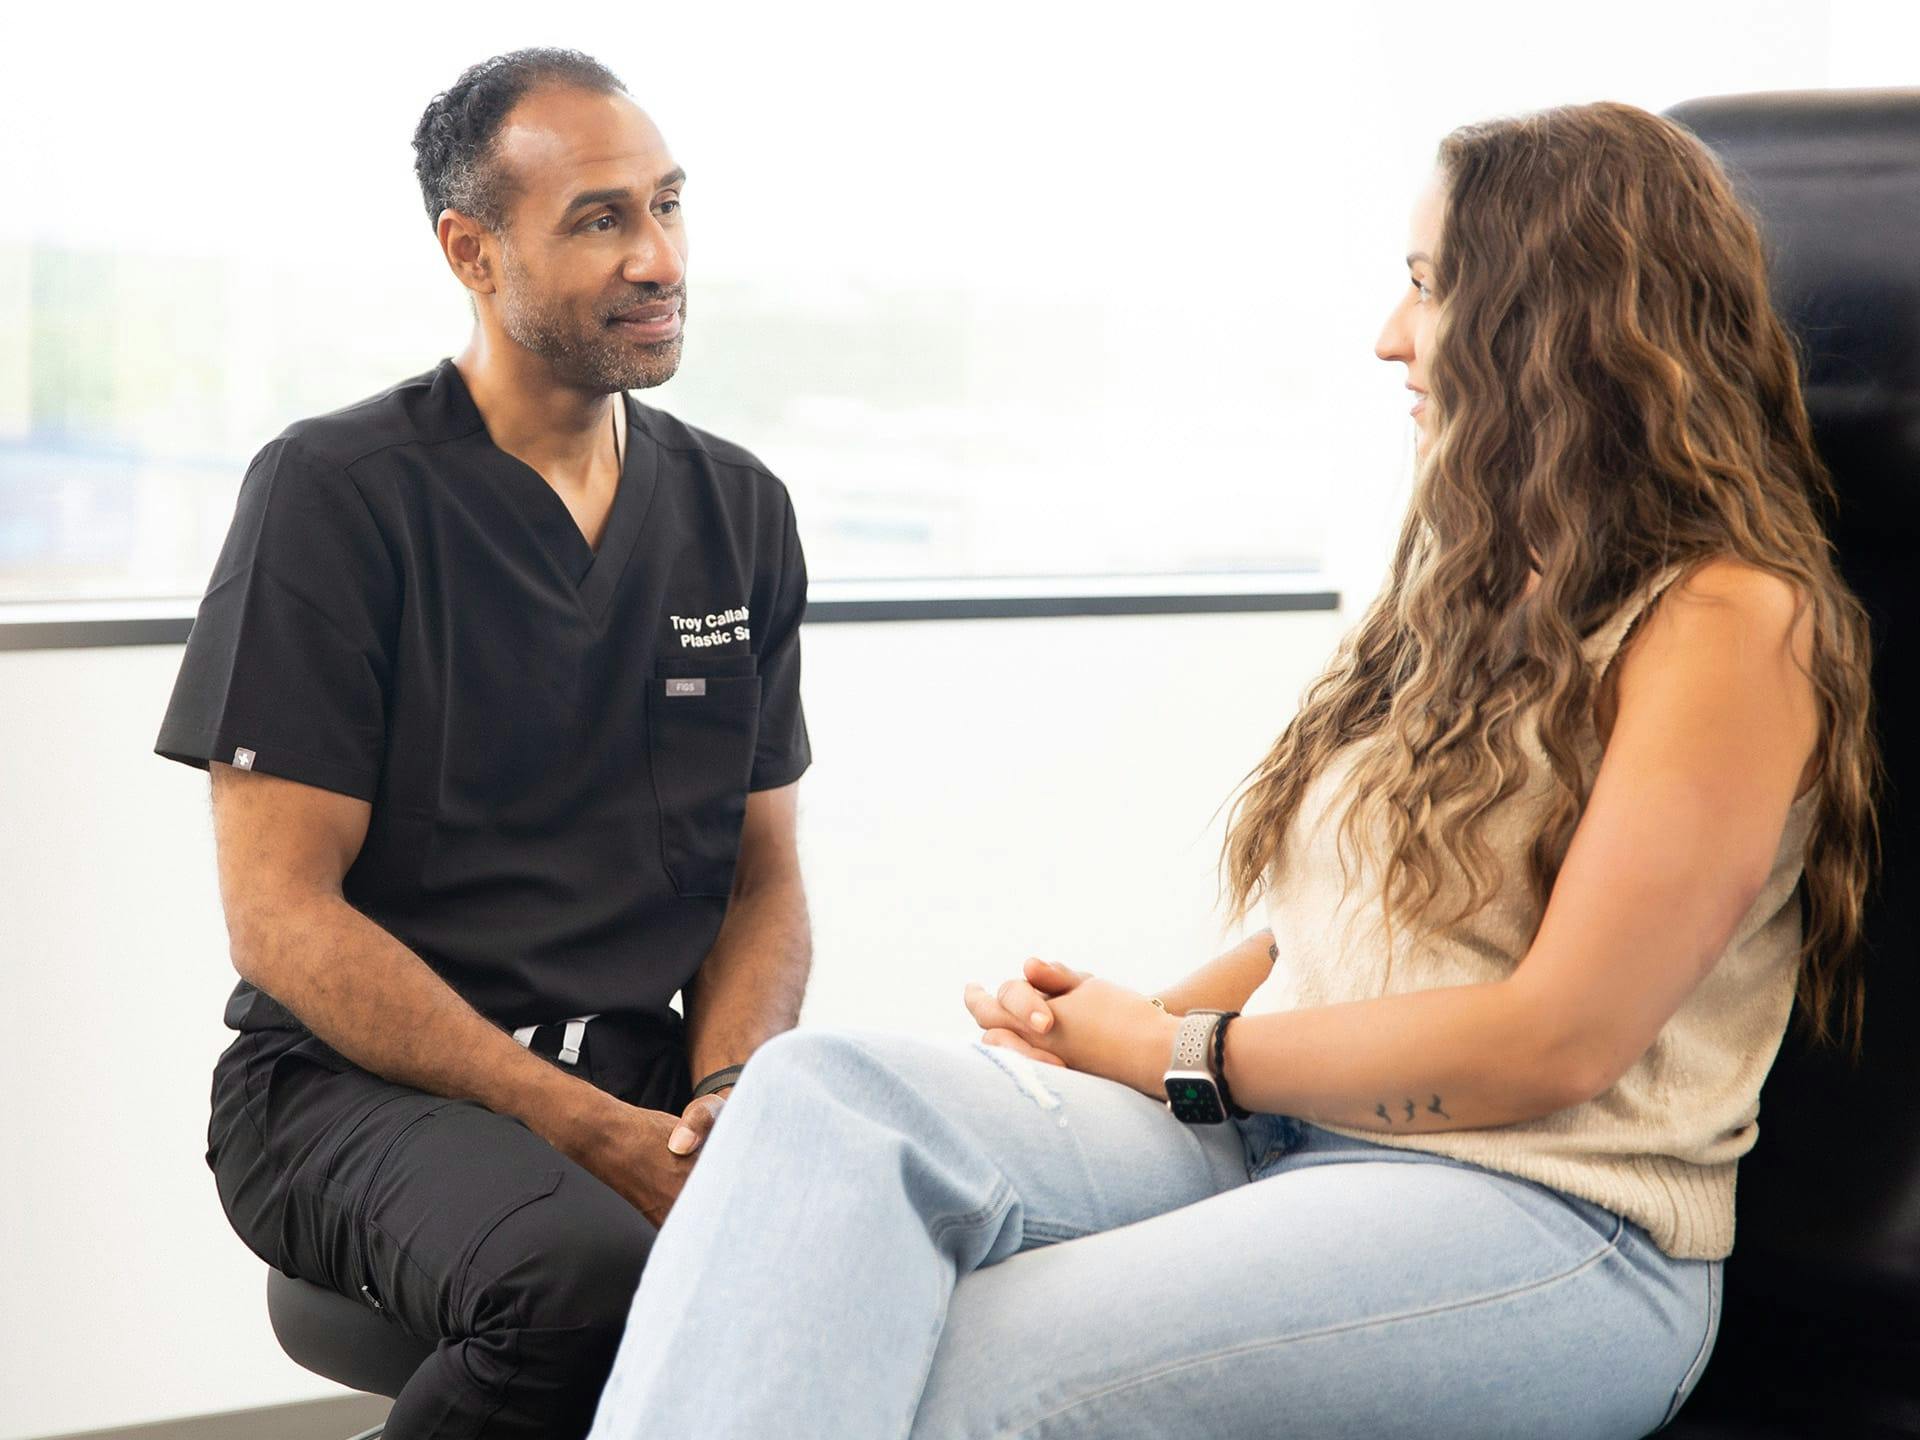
(592, 576)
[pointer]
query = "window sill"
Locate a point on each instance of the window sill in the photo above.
(78, 624)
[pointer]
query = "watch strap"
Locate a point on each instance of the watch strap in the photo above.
(1193, 1042)
(1217, 1062)
(718, 1080)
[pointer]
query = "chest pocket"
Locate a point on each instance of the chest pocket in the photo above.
(703, 716)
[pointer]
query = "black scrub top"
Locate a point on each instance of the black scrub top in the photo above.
(557, 743)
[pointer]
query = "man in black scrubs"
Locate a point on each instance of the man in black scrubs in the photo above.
(498, 681)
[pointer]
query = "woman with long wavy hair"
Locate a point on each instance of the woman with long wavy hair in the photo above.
(1579, 808)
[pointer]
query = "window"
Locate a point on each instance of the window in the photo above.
(1001, 290)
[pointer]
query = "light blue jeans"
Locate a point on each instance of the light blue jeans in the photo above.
(887, 1238)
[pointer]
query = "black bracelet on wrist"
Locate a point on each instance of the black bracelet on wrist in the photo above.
(718, 1080)
(1219, 1065)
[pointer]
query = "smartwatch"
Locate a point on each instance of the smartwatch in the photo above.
(1193, 1091)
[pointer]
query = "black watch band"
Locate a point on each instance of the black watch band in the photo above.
(718, 1080)
(1217, 1063)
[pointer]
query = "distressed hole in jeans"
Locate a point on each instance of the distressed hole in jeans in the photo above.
(1026, 1074)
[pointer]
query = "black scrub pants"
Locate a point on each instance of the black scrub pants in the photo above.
(462, 1224)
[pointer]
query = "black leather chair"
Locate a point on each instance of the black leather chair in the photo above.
(1820, 1333)
(349, 1343)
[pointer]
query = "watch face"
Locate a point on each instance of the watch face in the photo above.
(1197, 1102)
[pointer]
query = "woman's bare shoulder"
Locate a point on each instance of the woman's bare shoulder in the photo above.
(1728, 623)
(1720, 603)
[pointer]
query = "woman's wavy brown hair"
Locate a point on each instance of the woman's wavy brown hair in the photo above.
(1610, 392)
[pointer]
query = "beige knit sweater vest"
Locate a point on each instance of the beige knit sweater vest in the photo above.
(1660, 1146)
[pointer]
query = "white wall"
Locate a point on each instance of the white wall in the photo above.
(981, 791)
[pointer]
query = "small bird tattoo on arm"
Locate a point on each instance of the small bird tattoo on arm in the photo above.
(1433, 1108)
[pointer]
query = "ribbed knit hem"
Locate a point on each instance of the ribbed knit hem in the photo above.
(1686, 1209)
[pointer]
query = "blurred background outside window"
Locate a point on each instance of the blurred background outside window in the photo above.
(999, 290)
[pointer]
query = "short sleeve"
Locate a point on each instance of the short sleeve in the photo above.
(782, 751)
(288, 664)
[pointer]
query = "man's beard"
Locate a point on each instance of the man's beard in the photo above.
(592, 355)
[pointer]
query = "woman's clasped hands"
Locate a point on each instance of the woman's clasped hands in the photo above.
(1061, 1016)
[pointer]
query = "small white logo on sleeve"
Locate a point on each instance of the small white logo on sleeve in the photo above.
(243, 758)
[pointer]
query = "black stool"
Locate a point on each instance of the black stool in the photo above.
(323, 1331)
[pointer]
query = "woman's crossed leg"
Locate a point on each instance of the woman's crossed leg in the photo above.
(888, 1237)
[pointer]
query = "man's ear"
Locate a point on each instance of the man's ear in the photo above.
(463, 241)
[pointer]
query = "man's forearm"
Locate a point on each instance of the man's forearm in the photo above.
(750, 986)
(380, 1005)
(1224, 982)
